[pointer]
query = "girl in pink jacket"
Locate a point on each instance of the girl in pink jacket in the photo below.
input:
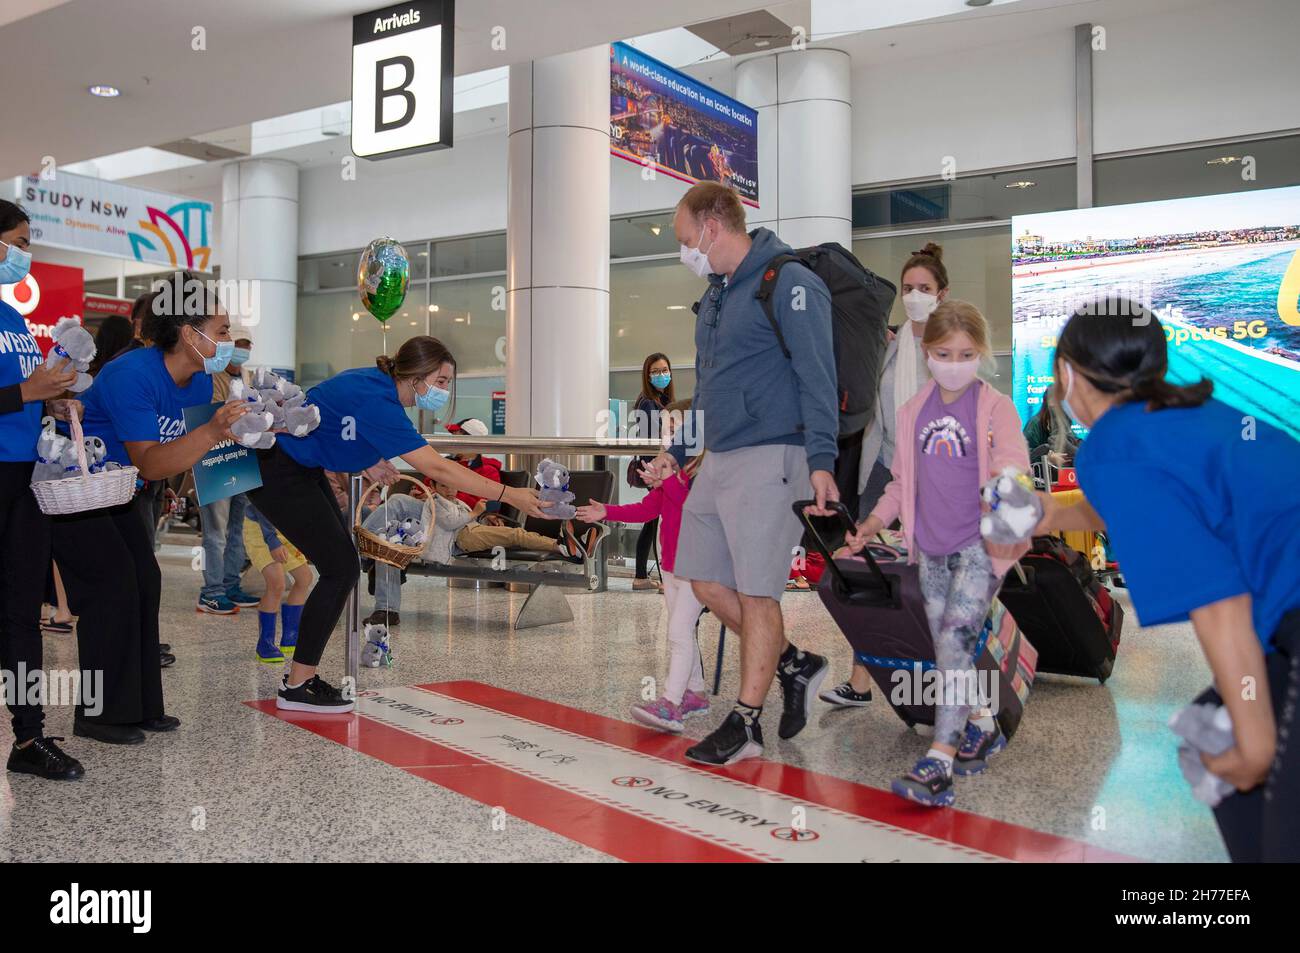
(953, 436)
(684, 690)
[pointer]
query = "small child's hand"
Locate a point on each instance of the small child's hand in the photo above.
(593, 512)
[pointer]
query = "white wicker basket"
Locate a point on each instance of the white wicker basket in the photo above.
(85, 491)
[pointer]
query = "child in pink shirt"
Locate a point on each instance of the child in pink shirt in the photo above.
(684, 689)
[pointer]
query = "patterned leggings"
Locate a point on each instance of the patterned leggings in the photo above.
(958, 589)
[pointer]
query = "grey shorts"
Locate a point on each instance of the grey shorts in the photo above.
(737, 526)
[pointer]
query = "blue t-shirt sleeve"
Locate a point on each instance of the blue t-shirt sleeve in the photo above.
(1172, 560)
(130, 403)
(385, 426)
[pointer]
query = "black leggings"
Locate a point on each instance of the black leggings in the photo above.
(644, 543)
(24, 561)
(300, 504)
(1263, 825)
(114, 586)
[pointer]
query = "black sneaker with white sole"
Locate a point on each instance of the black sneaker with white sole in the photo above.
(800, 678)
(314, 695)
(736, 739)
(846, 696)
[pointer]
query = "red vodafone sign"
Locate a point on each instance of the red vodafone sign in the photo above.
(48, 293)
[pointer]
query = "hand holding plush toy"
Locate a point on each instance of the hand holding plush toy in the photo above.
(252, 429)
(1014, 508)
(74, 344)
(553, 480)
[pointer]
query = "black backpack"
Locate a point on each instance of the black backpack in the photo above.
(860, 303)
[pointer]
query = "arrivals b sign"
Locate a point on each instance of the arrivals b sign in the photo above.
(402, 79)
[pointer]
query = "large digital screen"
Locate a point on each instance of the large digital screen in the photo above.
(660, 118)
(1221, 272)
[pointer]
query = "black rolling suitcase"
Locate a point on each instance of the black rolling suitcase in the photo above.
(878, 606)
(1064, 608)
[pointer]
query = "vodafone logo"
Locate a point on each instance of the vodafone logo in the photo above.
(22, 297)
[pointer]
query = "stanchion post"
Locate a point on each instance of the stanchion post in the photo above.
(353, 616)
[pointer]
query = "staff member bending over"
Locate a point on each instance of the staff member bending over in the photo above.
(1200, 505)
(363, 424)
(136, 406)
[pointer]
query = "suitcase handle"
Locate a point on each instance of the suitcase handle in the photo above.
(883, 591)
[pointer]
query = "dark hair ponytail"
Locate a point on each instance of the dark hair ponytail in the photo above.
(11, 216)
(175, 302)
(1120, 347)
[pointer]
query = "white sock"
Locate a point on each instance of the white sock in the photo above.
(942, 757)
(291, 687)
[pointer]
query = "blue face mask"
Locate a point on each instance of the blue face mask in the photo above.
(240, 356)
(433, 399)
(660, 381)
(15, 266)
(217, 362)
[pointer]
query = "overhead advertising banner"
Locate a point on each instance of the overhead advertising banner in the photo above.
(661, 118)
(106, 218)
(402, 79)
(1221, 272)
(48, 294)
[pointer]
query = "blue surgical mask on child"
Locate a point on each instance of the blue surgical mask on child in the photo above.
(217, 362)
(660, 381)
(433, 399)
(17, 263)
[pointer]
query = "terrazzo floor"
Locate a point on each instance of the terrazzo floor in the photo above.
(1092, 763)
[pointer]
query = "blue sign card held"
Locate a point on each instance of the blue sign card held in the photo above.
(225, 470)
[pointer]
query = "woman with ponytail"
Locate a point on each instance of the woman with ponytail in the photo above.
(1200, 505)
(924, 284)
(363, 425)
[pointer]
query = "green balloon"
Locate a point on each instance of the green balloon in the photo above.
(382, 277)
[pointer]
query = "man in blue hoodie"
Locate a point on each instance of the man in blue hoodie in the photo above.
(769, 424)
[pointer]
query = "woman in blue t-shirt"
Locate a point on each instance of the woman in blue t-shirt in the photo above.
(106, 556)
(1200, 504)
(363, 425)
(27, 389)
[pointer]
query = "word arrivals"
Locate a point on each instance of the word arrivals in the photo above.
(134, 907)
(409, 18)
(976, 688)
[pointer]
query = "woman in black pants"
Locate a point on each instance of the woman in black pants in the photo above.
(657, 392)
(363, 424)
(25, 387)
(136, 406)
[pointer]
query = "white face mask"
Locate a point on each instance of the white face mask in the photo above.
(697, 260)
(953, 375)
(919, 305)
(1065, 398)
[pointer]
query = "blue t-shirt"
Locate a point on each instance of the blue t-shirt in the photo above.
(1200, 505)
(19, 355)
(135, 399)
(361, 422)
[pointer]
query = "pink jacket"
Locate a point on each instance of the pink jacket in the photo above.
(664, 502)
(995, 416)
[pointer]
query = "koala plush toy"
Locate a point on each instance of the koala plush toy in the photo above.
(377, 651)
(253, 429)
(553, 480)
(286, 402)
(73, 343)
(50, 448)
(1014, 508)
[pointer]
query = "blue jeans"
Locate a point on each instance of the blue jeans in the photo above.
(388, 579)
(223, 545)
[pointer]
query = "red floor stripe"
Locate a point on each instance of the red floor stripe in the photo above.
(992, 836)
(608, 830)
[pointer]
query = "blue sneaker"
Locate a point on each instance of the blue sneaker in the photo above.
(216, 605)
(976, 748)
(240, 598)
(927, 783)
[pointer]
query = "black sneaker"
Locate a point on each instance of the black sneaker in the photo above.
(45, 759)
(108, 734)
(799, 683)
(316, 695)
(166, 659)
(731, 741)
(846, 696)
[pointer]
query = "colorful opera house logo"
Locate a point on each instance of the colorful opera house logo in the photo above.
(171, 232)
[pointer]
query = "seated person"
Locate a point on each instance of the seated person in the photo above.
(487, 467)
(456, 531)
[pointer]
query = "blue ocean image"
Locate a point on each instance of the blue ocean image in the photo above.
(1255, 367)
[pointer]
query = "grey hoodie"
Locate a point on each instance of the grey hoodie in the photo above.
(747, 392)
